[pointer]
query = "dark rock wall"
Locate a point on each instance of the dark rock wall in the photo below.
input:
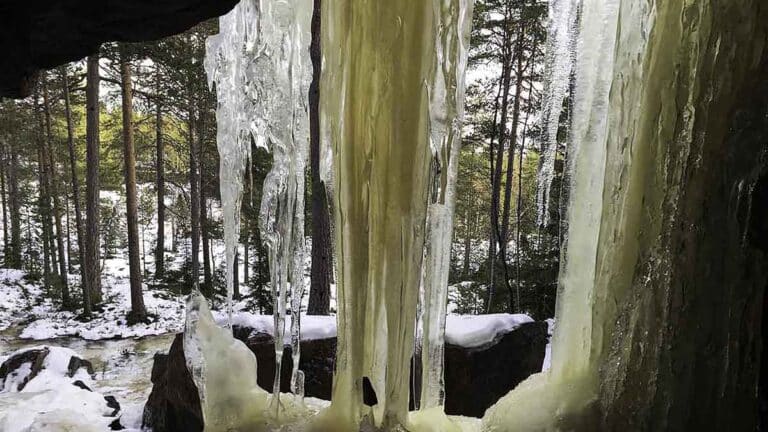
(476, 378)
(684, 352)
(42, 34)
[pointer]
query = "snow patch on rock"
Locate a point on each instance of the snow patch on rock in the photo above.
(313, 327)
(472, 331)
(49, 401)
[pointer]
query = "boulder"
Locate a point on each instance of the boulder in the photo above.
(174, 404)
(48, 388)
(317, 359)
(14, 372)
(475, 377)
(13, 375)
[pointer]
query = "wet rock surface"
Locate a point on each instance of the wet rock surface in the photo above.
(486, 373)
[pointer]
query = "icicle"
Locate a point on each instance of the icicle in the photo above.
(446, 107)
(281, 73)
(260, 67)
(571, 385)
(226, 54)
(559, 60)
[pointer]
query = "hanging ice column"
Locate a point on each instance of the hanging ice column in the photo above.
(259, 65)
(281, 75)
(391, 96)
(561, 31)
(227, 55)
(446, 110)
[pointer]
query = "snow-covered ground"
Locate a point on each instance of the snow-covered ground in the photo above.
(22, 303)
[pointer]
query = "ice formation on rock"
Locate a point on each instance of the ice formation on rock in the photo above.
(227, 55)
(281, 75)
(569, 387)
(561, 32)
(224, 371)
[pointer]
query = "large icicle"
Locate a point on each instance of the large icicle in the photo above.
(446, 108)
(226, 56)
(377, 88)
(281, 73)
(565, 394)
(561, 31)
(260, 67)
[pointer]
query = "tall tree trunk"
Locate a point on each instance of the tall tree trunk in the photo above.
(160, 185)
(492, 177)
(44, 217)
(194, 202)
(246, 258)
(91, 254)
(54, 191)
(68, 224)
(30, 262)
(75, 184)
(3, 174)
(320, 272)
(495, 238)
(138, 311)
(14, 247)
(504, 234)
(519, 215)
(467, 245)
(143, 252)
(207, 276)
(43, 201)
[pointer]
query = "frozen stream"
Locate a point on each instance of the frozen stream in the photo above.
(123, 367)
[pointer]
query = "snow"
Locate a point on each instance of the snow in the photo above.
(17, 297)
(313, 327)
(468, 331)
(49, 402)
(47, 322)
(472, 331)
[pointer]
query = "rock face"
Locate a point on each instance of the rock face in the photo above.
(174, 404)
(317, 357)
(41, 34)
(486, 372)
(475, 378)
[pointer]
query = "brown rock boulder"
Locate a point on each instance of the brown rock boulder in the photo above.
(475, 378)
(174, 404)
